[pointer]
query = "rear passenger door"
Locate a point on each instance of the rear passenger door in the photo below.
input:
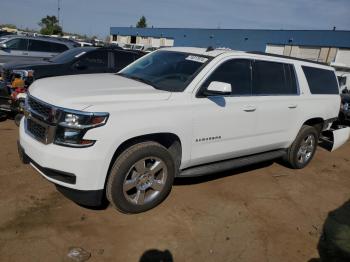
(123, 59)
(276, 94)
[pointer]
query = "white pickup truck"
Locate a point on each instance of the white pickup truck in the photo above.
(176, 112)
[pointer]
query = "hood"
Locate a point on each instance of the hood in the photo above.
(26, 64)
(81, 91)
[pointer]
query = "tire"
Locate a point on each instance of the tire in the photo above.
(132, 186)
(302, 151)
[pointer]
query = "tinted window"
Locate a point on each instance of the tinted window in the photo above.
(57, 48)
(95, 59)
(17, 44)
(122, 59)
(235, 72)
(321, 81)
(271, 78)
(71, 54)
(38, 46)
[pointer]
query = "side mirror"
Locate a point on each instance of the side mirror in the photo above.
(218, 88)
(3, 46)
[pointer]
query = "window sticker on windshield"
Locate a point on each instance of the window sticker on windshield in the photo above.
(80, 54)
(198, 59)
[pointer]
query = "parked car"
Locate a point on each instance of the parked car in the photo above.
(176, 112)
(344, 115)
(80, 60)
(26, 48)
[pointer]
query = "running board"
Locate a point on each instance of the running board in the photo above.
(226, 165)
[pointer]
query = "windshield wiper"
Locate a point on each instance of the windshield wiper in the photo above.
(145, 81)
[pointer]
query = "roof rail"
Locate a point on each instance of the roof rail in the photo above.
(287, 57)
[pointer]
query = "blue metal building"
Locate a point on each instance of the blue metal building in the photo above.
(241, 39)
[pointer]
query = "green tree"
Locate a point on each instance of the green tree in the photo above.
(49, 26)
(142, 23)
(9, 26)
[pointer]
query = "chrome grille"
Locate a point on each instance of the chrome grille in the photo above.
(37, 130)
(40, 120)
(40, 109)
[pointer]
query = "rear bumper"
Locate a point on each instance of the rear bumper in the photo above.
(82, 197)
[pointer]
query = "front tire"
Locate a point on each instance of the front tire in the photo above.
(141, 178)
(303, 149)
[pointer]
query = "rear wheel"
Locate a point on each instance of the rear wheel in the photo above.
(141, 178)
(303, 148)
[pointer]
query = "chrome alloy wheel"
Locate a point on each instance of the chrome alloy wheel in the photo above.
(145, 180)
(306, 149)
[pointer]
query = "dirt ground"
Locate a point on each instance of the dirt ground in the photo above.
(262, 213)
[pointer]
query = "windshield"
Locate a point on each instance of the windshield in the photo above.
(166, 70)
(70, 55)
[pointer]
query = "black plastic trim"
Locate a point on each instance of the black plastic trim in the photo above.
(65, 177)
(226, 165)
(82, 197)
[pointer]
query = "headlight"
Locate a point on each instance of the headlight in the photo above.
(73, 125)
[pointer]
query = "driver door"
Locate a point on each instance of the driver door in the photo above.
(224, 125)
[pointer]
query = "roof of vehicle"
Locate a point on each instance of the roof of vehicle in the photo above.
(68, 42)
(218, 51)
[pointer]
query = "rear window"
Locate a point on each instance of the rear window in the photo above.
(321, 81)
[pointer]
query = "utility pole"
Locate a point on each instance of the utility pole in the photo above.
(58, 10)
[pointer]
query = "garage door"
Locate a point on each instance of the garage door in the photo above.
(275, 49)
(309, 53)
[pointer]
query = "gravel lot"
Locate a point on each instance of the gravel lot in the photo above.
(266, 212)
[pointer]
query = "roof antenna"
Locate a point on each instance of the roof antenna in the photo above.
(210, 48)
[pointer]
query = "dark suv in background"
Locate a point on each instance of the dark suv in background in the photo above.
(27, 48)
(16, 77)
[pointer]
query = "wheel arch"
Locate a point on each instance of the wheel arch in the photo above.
(317, 122)
(170, 141)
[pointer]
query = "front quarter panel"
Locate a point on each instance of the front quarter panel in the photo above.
(130, 120)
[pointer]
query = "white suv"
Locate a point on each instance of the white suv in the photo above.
(176, 112)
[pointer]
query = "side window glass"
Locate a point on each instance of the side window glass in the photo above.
(57, 48)
(97, 59)
(39, 46)
(122, 59)
(17, 44)
(272, 78)
(321, 81)
(236, 72)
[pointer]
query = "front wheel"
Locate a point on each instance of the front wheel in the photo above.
(141, 178)
(303, 148)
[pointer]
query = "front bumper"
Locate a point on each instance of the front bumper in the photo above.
(82, 197)
(75, 170)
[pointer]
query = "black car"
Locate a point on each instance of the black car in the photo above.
(344, 115)
(80, 60)
(16, 77)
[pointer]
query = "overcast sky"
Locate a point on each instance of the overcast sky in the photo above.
(94, 17)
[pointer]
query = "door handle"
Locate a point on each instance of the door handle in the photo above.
(292, 106)
(249, 108)
(25, 53)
